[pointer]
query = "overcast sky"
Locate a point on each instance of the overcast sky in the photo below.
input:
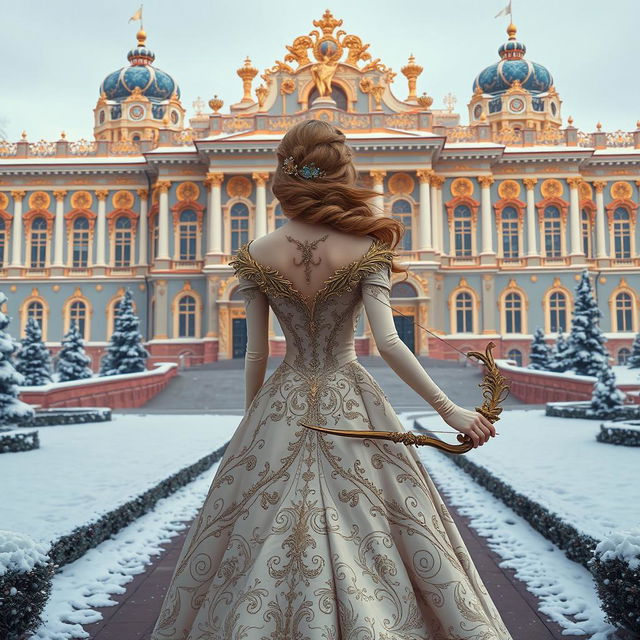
(56, 53)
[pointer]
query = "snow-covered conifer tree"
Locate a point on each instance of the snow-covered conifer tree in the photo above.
(606, 398)
(585, 353)
(34, 359)
(73, 362)
(12, 409)
(557, 354)
(634, 358)
(539, 355)
(125, 353)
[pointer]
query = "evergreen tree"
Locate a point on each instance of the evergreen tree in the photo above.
(634, 358)
(34, 359)
(557, 355)
(586, 353)
(12, 410)
(73, 362)
(125, 353)
(606, 399)
(539, 355)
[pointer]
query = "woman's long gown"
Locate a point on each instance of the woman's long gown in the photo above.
(307, 536)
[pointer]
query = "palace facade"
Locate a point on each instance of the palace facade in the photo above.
(502, 214)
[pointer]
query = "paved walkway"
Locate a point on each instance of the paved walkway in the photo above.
(137, 610)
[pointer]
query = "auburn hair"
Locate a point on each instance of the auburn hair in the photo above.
(334, 198)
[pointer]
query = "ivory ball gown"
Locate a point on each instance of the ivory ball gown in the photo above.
(308, 536)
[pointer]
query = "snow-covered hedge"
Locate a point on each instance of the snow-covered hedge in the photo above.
(581, 409)
(626, 434)
(72, 546)
(19, 441)
(26, 573)
(616, 568)
(52, 417)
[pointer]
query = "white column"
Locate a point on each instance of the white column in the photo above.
(424, 224)
(143, 194)
(214, 219)
(261, 203)
(58, 229)
(601, 247)
(101, 228)
(16, 235)
(163, 219)
(485, 202)
(574, 217)
(436, 212)
(532, 245)
(378, 185)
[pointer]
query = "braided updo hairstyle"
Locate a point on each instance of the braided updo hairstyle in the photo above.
(335, 198)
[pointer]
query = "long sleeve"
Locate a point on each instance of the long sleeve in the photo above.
(376, 290)
(257, 314)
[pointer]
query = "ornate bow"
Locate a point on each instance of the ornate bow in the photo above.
(495, 390)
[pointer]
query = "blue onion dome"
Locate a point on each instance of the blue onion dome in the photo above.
(498, 77)
(154, 83)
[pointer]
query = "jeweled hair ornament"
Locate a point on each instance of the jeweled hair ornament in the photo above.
(308, 171)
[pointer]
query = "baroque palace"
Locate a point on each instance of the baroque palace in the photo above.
(502, 214)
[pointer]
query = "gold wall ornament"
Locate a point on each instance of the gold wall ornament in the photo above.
(287, 86)
(462, 187)
(239, 187)
(509, 189)
(261, 94)
(188, 191)
(552, 188)
(81, 200)
(585, 190)
(122, 200)
(4, 200)
(39, 200)
(621, 190)
(401, 183)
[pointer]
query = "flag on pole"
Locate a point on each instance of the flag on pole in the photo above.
(137, 15)
(505, 11)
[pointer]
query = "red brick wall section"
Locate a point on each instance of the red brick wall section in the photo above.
(116, 392)
(538, 387)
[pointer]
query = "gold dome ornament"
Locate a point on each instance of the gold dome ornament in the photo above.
(142, 37)
(247, 72)
(411, 71)
(425, 101)
(215, 103)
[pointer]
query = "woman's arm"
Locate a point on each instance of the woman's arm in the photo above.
(257, 315)
(376, 289)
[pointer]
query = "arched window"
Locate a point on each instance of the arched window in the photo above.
(122, 242)
(513, 312)
(187, 317)
(587, 233)
(78, 314)
(516, 355)
(403, 290)
(337, 93)
(403, 211)
(552, 232)
(510, 246)
(623, 356)
(188, 234)
(35, 310)
(239, 225)
(462, 230)
(153, 237)
(114, 315)
(557, 311)
(464, 312)
(279, 218)
(3, 242)
(38, 243)
(624, 311)
(621, 233)
(80, 243)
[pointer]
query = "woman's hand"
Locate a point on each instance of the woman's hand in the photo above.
(471, 423)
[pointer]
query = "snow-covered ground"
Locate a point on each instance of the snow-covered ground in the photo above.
(82, 471)
(558, 463)
(566, 589)
(87, 583)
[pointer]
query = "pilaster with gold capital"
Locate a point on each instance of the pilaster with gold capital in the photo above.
(574, 219)
(601, 248)
(425, 242)
(213, 182)
(487, 228)
(16, 228)
(143, 258)
(378, 185)
(58, 235)
(101, 229)
(261, 203)
(163, 258)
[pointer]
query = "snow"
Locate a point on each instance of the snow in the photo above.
(624, 545)
(565, 589)
(88, 582)
(19, 552)
(558, 463)
(82, 471)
